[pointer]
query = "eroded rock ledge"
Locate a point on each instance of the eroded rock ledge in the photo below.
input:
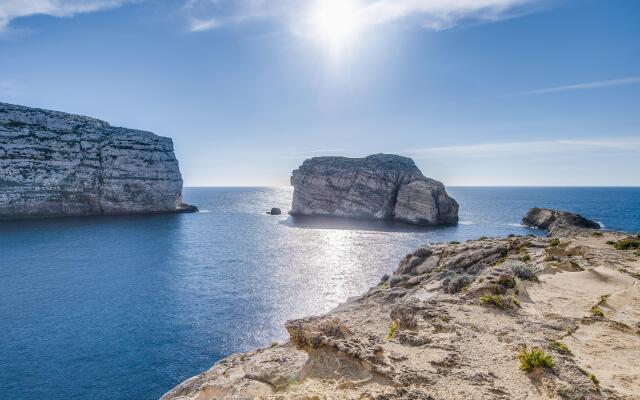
(58, 164)
(450, 322)
(381, 186)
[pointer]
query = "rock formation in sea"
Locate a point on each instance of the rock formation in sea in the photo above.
(58, 164)
(544, 218)
(380, 186)
(521, 317)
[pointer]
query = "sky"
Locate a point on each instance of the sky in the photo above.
(477, 92)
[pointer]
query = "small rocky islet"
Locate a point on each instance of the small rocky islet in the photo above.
(55, 164)
(521, 317)
(380, 186)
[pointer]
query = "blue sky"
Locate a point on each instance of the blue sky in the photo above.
(478, 92)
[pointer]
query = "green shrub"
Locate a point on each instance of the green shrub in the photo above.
(524, 272)
(597, 234)
(594, 379)
(393, 327)
(455, 282)
(494, 300)
(627, 244)
(483, 238)
(554, 242)
(611, 242)
(515, 302)
(595, 310)
(454, 242)
(526, 258)
(559, 347)
(534, 359)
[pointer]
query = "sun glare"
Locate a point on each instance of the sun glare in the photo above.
(335, 24)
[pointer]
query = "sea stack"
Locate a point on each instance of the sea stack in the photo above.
(380, 186)
(57, 164)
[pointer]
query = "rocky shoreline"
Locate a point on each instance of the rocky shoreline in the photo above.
(554, 317)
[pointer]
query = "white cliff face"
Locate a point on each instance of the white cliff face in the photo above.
(381, 186)
(58, 164)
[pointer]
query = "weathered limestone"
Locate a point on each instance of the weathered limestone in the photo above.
(381, 186)
(58, 164)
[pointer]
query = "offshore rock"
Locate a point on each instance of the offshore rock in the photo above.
(554, 220)
(58, 164)
(380, 186)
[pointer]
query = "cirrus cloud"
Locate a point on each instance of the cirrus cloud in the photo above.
(12, 9)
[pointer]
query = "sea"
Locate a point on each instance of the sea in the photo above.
(127, 307)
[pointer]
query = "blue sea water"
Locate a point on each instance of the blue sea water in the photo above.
(127, 307)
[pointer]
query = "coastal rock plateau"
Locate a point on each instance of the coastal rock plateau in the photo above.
(58, 164)
(454, 320)
(380, 186)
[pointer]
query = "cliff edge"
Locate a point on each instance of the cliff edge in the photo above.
(521, 317)
(380, 186)
(58, 164)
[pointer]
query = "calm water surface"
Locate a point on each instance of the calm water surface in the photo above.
(127, 307)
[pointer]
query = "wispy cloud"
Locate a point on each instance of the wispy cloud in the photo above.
(633, 80)
(432, 14)
(568, 146)
(12, 9)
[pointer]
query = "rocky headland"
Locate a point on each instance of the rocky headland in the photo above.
(521, 317)
(380, 186)
(57, 164)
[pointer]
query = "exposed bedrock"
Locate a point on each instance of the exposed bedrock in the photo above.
(58, 164)
(380, 186)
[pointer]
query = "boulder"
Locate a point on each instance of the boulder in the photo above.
(551, 220)
(275, 211)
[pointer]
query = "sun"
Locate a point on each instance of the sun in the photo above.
(335, 24)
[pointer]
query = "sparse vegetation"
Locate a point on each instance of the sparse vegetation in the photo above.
(454, 283)
(526, 258)
(494, 300)
(596, 234)
(393, 327)
(483, 238)
(595, 310)
(274, 344)
(524, 272)
(559, 347)
(515, 302)
(454, 242)
(507, 282)
(554, 242)
(594, 379)
(627, 244)
(611, 242)
(535, 358)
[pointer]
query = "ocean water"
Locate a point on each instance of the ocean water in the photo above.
(127, 307)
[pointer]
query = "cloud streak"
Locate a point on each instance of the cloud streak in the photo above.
(568, 146)
(633, 80)
(12, 9)
(432, 14)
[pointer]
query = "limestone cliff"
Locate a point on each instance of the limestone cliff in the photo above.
(381, 186)
(58, 164)
(463, 321)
